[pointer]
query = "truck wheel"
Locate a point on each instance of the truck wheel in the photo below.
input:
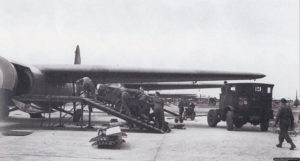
(212, 118)
(229, 120)
(176, 120)
(77, 115)
(238, 125)
(264, 125)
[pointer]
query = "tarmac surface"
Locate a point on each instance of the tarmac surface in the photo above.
(196, 142)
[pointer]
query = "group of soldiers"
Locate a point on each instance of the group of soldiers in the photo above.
(137, 104)
(131, 102)
(140, 107)
(184, 103)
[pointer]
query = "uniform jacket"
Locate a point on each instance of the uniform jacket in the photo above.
(158, 103)
(285, 117)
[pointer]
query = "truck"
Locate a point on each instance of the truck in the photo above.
(242, 103)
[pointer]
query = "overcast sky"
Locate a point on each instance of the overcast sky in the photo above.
(248, 35)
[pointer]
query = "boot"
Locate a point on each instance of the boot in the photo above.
(280, 139)
(293, 146)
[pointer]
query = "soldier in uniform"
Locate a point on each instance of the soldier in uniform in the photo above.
(124, 102)
(158, 110)
(192, 107)
(88, 87)
(181, 105)
(225, 87)
(286, 119)
(144, 105)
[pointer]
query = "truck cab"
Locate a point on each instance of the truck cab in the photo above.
(241, 103)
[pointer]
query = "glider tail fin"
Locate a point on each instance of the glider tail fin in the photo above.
(77, 55)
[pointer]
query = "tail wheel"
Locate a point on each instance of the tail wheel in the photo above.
(229, 120)
(264, 125)
(212, 118)
(77, 115)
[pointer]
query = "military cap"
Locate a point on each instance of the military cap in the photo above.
(283, 100)
(157, 93)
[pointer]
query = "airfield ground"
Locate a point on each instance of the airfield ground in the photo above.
(196, 142)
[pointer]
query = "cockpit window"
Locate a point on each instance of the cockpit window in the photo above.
(257, 89)
(269, 90)
(243, 101)
(232, 88)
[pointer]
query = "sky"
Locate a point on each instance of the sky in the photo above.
(227, 35)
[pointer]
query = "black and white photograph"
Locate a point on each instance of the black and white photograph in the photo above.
(161, 80)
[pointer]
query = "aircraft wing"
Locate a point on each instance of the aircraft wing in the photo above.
(169, 86)
(71, 73)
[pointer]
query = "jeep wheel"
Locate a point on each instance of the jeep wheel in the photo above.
(229, 120)
(264, 125)
(212, 118)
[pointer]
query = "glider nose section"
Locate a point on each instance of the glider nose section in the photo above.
(8, 81)
(8, 75)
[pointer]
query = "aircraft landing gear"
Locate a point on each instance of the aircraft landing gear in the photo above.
(3, 113)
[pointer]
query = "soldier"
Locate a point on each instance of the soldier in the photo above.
(286, 119)
(181, 105)
(158, 110)
(225, 87)
(124, 102)
(88, 87)
(192, 107)
(144, 105)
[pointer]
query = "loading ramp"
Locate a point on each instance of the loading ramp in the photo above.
(91, 102)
